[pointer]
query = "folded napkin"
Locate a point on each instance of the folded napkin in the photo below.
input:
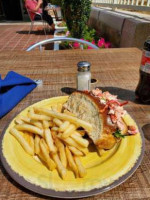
(12, 89)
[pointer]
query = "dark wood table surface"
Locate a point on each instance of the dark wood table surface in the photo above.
(116, 70)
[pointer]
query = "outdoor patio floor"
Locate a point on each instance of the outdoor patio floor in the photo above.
(16, 37)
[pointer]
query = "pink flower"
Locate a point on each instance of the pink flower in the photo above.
(76, 45)
(107, 45)
(101, 43)
(93, 42)
(67, 33)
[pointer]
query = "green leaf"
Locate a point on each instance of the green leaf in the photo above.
(118, 134)
(76, 14)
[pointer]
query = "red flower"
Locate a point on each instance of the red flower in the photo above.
(101, 43)
(93, 42)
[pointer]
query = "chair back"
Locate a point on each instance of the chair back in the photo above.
(39, 44)
(29, 14)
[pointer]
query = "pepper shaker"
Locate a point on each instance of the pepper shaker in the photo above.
(83, 76)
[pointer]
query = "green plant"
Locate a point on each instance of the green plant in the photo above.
(76, 14)
(56, 2)
(89, 34)
(118, 134)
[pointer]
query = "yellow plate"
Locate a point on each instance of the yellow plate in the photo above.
(103, 173)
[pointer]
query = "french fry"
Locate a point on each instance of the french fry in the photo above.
(25, 119)
(37, 144)
(101, 152)
(59, 107)
(81, 132)
(30, 139)
(69, 113)
(39, 117)
(59, 135)
(78, 122)
(47, 159)
(84, 150)
(22, 141)
(54, 108)
(61, 169)
(69, 131)
(81, 169)
(77, 134)
(69, 141)
(61, 151)
(83, 142)
(51, 124)
(18, 121)
(21, 119)
(49, 140)
(64, 126)
(54, 133)
(36, 123)
(71, 161)
(58, 122)
(42, 159)
(37, 159)
(31, 110)
(54, 128)
(46, 146)
(45, 124)
(75, 151)
(30, 128)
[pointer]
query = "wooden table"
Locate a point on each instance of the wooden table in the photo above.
(116, 70)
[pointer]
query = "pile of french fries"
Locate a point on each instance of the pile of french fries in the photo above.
(53, 138)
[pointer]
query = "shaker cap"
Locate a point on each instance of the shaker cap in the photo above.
(83, 66)
(147, 45)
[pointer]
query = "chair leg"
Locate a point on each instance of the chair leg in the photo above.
(40, 48)
(31, 27)
(44, 27)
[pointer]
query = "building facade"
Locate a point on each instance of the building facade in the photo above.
(12, 10)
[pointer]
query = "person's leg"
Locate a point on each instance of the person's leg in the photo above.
(49, 20)
(37, 17)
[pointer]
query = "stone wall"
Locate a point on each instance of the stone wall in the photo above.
(121, 30)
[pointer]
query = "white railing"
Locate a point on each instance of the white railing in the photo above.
(141, 5)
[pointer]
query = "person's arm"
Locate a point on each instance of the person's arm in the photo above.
(31, 6)
(38, 6)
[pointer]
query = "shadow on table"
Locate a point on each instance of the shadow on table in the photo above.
(49, 46)
(37, 32)
(146, 130)
(68, 90)
(123, 94)
(21, 187)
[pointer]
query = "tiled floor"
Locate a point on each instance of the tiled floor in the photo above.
(16, 37)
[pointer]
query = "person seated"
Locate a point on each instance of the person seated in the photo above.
(34, 7)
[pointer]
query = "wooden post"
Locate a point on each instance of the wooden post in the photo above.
(137, 2)
(132, 2)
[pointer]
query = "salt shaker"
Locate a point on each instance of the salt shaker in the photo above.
(83, 76)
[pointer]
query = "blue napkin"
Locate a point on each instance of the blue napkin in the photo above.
(12, 90)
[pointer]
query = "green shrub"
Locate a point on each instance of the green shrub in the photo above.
(56, 2)
(76, 14)
(89, 34)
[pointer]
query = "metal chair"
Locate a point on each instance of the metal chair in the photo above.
(32, 21)
(39, 44)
